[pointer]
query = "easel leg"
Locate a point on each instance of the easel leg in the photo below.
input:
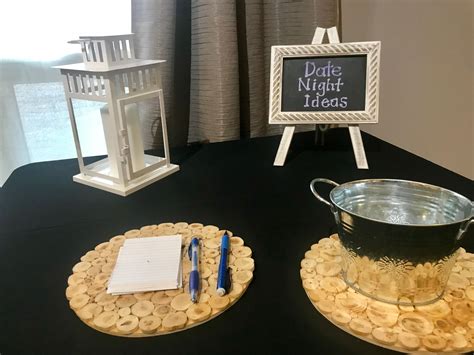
(358, 147)
(284, 146)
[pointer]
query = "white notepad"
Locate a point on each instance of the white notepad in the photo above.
(147, 264)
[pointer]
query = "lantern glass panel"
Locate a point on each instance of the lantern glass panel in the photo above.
(89, 127)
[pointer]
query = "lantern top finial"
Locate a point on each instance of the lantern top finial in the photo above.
(106, 52)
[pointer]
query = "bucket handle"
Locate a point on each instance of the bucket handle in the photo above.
(318, 196)
(464, 229)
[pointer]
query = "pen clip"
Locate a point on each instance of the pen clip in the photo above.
(190, 250)
(228, 279)
(194, 241)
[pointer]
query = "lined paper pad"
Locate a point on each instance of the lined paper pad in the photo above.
(147, 264)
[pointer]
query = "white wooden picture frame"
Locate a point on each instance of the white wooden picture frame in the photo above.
(369, 115)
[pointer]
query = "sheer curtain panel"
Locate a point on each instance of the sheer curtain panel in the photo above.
(34, 123)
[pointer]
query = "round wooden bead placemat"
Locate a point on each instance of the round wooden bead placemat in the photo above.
(160, 312)
(444, 326)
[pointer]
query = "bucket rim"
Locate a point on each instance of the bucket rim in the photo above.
(423, 184)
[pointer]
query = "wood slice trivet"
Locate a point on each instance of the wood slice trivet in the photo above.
(161, 312)
(444, 326)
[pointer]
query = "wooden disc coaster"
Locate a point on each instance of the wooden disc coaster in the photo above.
(161, 312)
(446, 325)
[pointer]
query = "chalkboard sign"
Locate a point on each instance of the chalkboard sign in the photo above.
(326, 83)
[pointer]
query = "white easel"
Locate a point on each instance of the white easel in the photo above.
(354, 130)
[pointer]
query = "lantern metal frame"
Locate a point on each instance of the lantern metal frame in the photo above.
(111, 74)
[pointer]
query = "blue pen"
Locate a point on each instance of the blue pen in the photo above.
(193, 252)
(223, 272)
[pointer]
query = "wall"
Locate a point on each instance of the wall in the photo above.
(426, 89)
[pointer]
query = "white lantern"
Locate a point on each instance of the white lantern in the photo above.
(110, 73)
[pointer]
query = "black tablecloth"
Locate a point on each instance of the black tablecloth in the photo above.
(47, 222)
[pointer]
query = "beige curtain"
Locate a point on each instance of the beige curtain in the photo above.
(227, 42)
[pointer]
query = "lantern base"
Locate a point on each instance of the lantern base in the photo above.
(132, 186)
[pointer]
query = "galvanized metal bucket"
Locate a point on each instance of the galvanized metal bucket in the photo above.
(400, 238)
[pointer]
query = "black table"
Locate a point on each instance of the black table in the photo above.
(47, 222)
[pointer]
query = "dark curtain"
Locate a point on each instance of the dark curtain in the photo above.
(218, 56)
